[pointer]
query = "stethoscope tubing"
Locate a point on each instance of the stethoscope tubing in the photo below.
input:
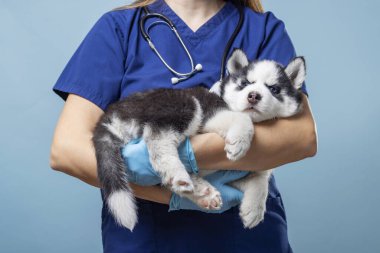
(231, 40)
(162, 59)
(168, 22)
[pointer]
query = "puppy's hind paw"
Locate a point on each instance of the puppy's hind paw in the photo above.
(210, 201)
(252, 217)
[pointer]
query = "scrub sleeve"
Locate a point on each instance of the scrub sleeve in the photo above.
(277, 44)
(96, 69)
(96, 72)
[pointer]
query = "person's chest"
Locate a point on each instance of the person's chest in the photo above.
(145, 70)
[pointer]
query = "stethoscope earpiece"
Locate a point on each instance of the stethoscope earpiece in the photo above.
(175, 80)
(198, 67)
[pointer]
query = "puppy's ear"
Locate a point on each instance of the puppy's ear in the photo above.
(215, 88)
(237, 61)
(296, 71)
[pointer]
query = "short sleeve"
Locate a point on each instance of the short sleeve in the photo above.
(96, 69)
(277, 44)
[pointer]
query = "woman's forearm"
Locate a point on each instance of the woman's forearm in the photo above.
(275, 143)
(77, 158)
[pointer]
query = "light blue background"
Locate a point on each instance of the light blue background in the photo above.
(332, 199)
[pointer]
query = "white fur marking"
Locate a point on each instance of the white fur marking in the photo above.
(296, 66)
(123, 130)
(237, 130)
(237, 59)
(196, 121)
(264, 71)
(253, 205)
(123, 207)
(215, 88)
(164, 158)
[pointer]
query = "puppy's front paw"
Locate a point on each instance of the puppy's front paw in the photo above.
(251, 214)
(236, 146)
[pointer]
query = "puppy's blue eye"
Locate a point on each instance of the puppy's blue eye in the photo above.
(274, 89)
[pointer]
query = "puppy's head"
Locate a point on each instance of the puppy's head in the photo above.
(264, 89)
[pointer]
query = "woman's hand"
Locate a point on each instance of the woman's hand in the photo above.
(139, 168)
(220, 179)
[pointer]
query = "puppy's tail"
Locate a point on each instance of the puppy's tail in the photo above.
(113, 178)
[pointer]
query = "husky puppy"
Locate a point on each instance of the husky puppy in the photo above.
(263, 90)
(165, 117)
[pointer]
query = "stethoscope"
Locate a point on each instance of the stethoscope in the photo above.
(198, 67)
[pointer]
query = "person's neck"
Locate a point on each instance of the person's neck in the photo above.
(195, 12)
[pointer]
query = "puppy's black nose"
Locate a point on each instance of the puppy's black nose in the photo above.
(254, 97)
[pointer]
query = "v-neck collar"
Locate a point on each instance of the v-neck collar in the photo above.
(204, 30)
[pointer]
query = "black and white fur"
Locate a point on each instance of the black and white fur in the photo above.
(263, 90)
(165, 117)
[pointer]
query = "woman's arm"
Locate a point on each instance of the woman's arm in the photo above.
(73, 153)
(275, 143)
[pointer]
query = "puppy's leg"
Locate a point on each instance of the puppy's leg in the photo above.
(205, 195)
(163, 155)
(237, 130)
(253, 205)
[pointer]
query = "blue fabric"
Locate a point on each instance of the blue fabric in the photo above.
(114, 61)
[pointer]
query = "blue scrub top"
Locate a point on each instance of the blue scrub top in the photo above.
(114, 61)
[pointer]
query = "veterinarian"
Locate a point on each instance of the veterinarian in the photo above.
(115, 60)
